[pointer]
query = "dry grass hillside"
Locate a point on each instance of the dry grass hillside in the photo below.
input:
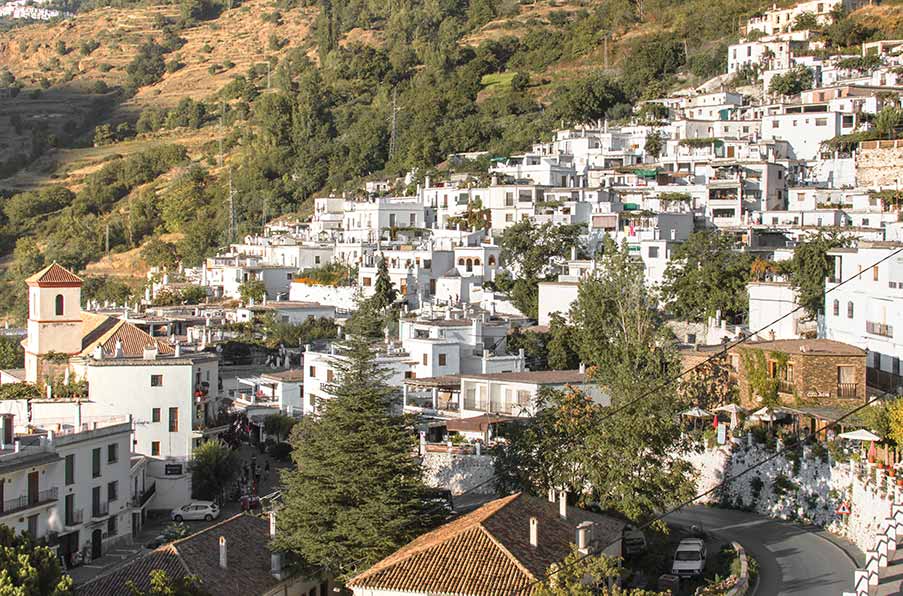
(72, 103)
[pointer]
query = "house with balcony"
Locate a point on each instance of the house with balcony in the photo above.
(64, 475)
(867, 310)
(813, 372)
(170, 395)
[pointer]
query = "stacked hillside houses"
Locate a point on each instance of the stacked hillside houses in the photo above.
(733, 155)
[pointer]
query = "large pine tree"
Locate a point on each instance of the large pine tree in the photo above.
(356, 493)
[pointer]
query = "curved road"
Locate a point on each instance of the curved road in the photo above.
(792, 559)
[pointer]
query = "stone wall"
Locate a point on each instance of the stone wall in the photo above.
(807, 490)
(878, 163)
(459, 473)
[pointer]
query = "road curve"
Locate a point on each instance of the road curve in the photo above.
(792, 559)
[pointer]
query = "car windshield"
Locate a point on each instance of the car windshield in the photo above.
(687, 555)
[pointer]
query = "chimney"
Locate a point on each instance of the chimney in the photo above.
(223, 561)
(552, 495)
(573, 253)
(563, 504)
(582, 368)
(534, 532)
(98, 352)
(150, 352)
(584, 536)
(178, 350)
(117, 352)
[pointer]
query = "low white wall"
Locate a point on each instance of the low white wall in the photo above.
(808, 492)
(459, 473)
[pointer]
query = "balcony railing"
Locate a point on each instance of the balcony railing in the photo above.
(28, 501)
(147, 494)
(75, 517)
(847, 389)
(786, 386)
(100, 509)
(881, 329)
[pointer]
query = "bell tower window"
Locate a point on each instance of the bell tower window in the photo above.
(58, 305)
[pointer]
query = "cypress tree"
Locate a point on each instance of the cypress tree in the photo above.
(356, 493)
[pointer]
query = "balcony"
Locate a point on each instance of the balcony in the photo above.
(847, 390)
(75, 517)
(28, 501)
(101, 509)
(882, 329)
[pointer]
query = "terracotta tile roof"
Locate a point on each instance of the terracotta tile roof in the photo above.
(487, 552)
(105, 330)
(54, 274)
(248, 555)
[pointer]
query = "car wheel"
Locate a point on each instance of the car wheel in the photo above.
(208, 517)
(178, 518)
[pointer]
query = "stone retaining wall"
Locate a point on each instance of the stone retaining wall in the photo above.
(459, 473)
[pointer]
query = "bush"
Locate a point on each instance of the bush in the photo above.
(88, 46)
(104, 67)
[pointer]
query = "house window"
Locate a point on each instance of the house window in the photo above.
(95, 463)
(410, 374)
(112, 526)
(837, 308)
(155, 448)
(317, 259)
(441, 359)
(875, 273)
(821, 122)
(509, 217)
(329, 375)
(173, 420)
(112, 453)
(155, 415)
(367, 282)
(653, 252)
(70, 469)
(425, 360)
(849, 310)
(58, 305)
(112, 491)
(312, 371)
(156, 380)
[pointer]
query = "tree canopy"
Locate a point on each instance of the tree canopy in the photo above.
(29, 569)
(214, 466)
(707, 274)
(356, 493)
(811, 265)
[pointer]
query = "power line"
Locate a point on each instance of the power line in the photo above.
(611, 411)
(717, 487)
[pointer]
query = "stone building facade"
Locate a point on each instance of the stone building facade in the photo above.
(808, 371)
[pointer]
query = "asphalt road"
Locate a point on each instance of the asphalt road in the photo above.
(792, 559)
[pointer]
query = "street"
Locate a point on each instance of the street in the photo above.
(792, 559)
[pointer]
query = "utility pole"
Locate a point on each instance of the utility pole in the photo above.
(222, 127)
(394, 131)
(231, 210)
(605, 44)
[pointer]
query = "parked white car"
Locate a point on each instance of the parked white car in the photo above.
(689, 558)
(206, 510)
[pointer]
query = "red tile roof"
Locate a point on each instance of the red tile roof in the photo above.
(248, 562)
(54, 274)
(487, 552)
(105, 330)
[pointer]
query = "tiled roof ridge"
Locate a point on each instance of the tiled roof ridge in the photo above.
(471, 521)
(62, 274)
